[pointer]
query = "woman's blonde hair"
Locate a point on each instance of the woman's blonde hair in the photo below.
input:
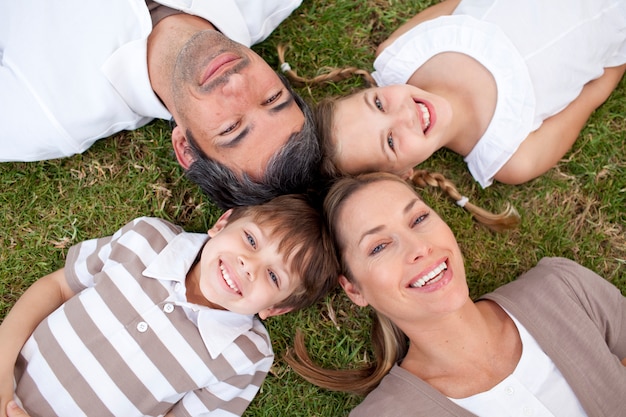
(389, 343)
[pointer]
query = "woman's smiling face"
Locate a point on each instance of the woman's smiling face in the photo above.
(389, 129)
(404, 259)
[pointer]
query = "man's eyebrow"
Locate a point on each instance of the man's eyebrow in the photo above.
(237, 139)
(245, 132)
(284, 105)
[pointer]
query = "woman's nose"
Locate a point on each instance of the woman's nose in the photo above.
(416, 248)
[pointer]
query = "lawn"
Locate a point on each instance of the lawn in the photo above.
(576, 210)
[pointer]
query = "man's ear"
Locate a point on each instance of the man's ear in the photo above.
(273, 311)
(352, 291)
(220, 224)
(181, 148)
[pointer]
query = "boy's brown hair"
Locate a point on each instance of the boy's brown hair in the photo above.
(304, 243)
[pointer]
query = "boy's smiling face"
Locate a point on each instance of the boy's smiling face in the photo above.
(241, 270)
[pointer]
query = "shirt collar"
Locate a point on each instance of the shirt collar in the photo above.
(127, 70)
(218, 328)
(175, 260)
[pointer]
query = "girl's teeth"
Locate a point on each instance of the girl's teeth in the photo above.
(425, 115)
(430, 276)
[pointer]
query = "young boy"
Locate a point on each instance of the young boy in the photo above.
(157, 321)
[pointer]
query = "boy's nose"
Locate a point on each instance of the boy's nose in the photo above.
(247, 268)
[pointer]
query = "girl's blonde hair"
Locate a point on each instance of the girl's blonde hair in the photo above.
(333, 74)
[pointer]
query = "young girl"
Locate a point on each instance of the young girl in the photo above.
(550, 343)
(507, 84)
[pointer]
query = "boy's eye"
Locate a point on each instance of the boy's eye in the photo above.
(378, 104)
(274, 98)
(251, 240)
(274, 278)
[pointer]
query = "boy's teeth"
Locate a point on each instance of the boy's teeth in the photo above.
(425, 115)
(226, 277)
(430, 276)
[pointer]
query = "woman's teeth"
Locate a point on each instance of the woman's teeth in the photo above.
(432, 277)
(227, 279)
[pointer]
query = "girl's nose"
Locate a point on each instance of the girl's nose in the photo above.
(407, 115)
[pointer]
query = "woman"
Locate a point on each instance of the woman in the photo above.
(553, 342)
(507, 84)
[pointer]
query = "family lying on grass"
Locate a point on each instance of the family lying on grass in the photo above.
(156, 321)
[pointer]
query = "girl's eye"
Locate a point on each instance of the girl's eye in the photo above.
(378, 248)
(274, 278)
(390, 141)
(378, 104)
(251, 240)
(273, 98)
(230, 129)
(420, 219)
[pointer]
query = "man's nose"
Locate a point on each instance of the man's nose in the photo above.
(237, 85)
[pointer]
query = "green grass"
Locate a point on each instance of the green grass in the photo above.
(576, 210)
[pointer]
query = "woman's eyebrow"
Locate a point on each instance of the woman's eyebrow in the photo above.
(377, 229)
(409, 206)
(370, 232)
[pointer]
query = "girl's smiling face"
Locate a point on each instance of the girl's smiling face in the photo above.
(389, 129)
(404, 259)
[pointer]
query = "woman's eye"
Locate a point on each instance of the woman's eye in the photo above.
(251, 240)
(230, 128)
(420, 219)
(378, 248)
(273, 98)
(378, 104)
(274, 278)
(390, 141)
